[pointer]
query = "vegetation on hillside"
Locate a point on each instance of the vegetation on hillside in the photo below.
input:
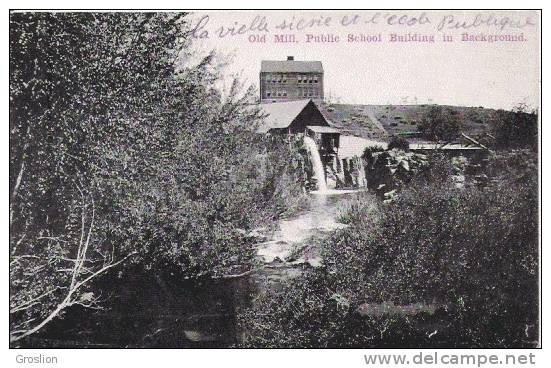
(440, 124)
(515, 129)
(410, 120)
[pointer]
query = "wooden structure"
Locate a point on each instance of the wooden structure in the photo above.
(327, 139)
(300, 117)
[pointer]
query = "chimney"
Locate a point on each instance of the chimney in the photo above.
(290, 58)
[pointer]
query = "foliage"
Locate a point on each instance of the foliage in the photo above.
(391, 169)
(284, 174)
(517, 166)
(311, 314)
(459, 164)
(516, 128)
(121, 146)
(439, 171)
(469, 255)
(79, 86)
(370, 150)
(355, 208)
(440, 124)
(399, 143)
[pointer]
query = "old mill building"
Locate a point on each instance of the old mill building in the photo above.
(300, 117)
(288, 80)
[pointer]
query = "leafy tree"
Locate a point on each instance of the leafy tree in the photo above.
(516, 128)
(440, 124)
(77, 82)
(398, 142)
(122, 149)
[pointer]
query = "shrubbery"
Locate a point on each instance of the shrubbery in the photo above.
(469, 255)
(388, 170)
(516, 128)
(122, 149)
(440, 124)
(399, 143)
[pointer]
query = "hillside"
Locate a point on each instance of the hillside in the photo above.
(381, 121)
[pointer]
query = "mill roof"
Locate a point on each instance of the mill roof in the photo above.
(279, 115)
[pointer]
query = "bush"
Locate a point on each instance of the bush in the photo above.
(391, 169)
(357, 207)
(438, 172)
(309, 313)
(515, 129)
(517, 166)
(398, 143)
(120, 153)
(440, 124)
(369, 151)
(470, 254)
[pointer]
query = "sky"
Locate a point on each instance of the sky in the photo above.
(374, 70)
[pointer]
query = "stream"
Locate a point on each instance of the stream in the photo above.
(195, 314)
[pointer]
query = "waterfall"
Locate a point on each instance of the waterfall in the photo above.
(319, 171)
(362, 180)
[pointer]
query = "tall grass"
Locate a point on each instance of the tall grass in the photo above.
(356, 208)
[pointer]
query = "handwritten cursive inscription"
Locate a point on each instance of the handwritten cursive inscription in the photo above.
(259, 24)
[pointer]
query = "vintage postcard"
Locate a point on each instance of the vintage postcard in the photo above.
(275, 179)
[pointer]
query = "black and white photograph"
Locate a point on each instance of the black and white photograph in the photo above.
(275, 179)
